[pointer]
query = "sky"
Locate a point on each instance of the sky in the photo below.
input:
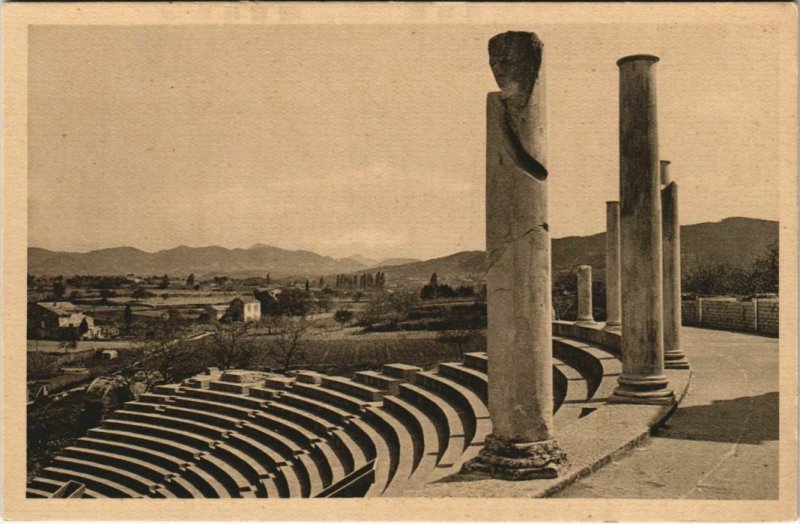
(367, 139)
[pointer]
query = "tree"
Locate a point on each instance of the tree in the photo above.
(164, 282)
(231, 345)
(141, 292)
(190, 280)
(324, 304)
(58, 290)
(83, 327)
(286, 348)
(459, 328)
(168, 358)
(765, 272)
(343, 316)
(269, 281)
(307, 286)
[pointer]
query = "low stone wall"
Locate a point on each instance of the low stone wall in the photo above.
(594, 334)
(757, 315)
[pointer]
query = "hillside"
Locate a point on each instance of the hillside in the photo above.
(258, 260)
(736, 241)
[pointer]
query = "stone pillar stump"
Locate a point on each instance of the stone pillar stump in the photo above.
(519, 334)
(674, 357)
(613, 293)
(585, 314)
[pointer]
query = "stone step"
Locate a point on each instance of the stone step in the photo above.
(450, 429)
(207, 417)
(225, 397)
(143, 435)
(250, 468)
(176, 423)
(331, 413)
(577, 386)
(284, 473)
(377, 380)
(403, 450)
(134, 482)
(142, 468)
(348, 450)
(476, 380)
(208, 485)
(470, 407)
(212, 406)
(301, 435)
(421, 427)
(155, 398)
(332, 461)
(301, 417)
(181, 488)
(477, 360)
(352, 388)
(226, 473)
(373, 445)
(167, 389)
(231, 387)
(162, 461)
(285, 447)
(278, 382)
(33, 493)
(331, 397)
(105, 487)
(178, 436)
(402, 371)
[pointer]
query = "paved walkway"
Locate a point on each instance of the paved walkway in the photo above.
(722, 443)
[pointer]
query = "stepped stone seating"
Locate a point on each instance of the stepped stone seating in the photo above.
(241, 433)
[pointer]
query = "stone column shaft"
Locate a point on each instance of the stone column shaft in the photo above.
(613, 292)
(585, 314)
(643, 379)
(674, 357)
(519, 334)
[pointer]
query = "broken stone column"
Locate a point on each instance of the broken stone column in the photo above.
(674, 357)
(519, 335)
(613, 293)
(585, 315)
(643, 379)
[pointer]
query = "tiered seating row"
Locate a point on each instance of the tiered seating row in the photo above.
(249, 434)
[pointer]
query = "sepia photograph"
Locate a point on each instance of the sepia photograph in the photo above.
(433, 256)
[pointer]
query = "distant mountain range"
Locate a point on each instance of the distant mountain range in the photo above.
(258, 260)
(735, 241)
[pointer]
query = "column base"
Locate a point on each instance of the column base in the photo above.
(585, 322)
(507, 460)
(676, 360)
(642, 389)
(616, 327)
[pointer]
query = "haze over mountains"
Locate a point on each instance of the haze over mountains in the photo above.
(735, 241)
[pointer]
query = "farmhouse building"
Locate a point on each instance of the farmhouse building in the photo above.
(244, 309)
(59, 321)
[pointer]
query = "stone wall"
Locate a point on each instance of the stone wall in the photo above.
(757, 315)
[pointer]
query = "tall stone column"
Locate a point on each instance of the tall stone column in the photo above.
(519, 335)
(674, 357)
(613, 292)
(585, 315)
(643, 379)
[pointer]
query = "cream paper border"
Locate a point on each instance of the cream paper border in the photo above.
(17, 17)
